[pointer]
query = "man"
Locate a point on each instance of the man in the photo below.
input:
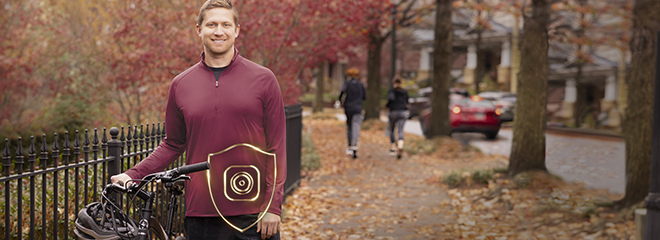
(355, 94)
(221, 101)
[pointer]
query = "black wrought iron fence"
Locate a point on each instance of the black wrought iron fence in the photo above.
(43, 195)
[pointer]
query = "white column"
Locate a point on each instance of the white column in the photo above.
(505, 60)
(472, 56)
(425, 59)
(570, 92)
(570, 97)
(610, 88)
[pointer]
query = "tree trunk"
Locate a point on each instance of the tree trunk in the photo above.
(372, 103)
(439, 121)
(639, 115)
(318, 100)
(528, 144)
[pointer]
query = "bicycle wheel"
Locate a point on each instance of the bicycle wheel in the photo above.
(156, 230)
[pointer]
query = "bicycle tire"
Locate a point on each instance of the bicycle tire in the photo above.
(156, 230)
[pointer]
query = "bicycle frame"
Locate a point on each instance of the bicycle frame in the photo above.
(174, 183)
(175, 189)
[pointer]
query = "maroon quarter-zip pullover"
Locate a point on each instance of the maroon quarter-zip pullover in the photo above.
(206, 116)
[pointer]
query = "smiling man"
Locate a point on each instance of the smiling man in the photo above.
(219, 102)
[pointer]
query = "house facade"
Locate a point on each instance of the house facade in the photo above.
(591, 93)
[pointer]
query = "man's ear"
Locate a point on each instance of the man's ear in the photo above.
(238, 29)
(199, 30)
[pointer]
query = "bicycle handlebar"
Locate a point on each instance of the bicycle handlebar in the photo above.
(193, 168)
(167, 176)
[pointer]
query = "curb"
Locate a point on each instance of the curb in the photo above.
(579, 131)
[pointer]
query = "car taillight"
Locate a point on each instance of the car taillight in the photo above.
(498, 111)
(456, 110)
(476, 98)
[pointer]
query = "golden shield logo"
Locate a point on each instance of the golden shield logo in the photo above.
(242, 180)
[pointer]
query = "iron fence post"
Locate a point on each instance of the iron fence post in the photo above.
(114, 152)
(293, 146)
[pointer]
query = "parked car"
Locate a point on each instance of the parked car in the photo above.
(422, 99)
(506, 101)
(473, 114)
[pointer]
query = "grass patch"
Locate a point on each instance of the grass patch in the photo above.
(467, 178)
(324, 115)
(502, 170)
(422, 146)
(310, 160)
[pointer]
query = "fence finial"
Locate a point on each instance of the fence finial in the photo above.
(86, 142)
(66, 140)
(135, 133)
(146, 132)
(104, 139)
(95, 141)
(19, 150)
(76, 142)
(6, 153)
(44, 147)
(33, 149)
(129, 135)
(56, 146)
(114, 132)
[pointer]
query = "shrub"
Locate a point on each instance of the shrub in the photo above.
(452, 179)
(482, 176)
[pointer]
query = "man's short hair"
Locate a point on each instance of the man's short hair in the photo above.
(211, 4)
(353, 72)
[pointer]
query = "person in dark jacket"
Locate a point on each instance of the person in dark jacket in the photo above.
(397, 99)
(355, 94)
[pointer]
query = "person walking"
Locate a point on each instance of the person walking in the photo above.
(222, 101)
(355, 94)
(397, 101)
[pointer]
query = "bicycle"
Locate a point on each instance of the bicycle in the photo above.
(106, 220)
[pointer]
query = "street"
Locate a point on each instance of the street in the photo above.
(596, 161)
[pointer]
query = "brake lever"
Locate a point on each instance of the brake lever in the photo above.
(186, 177)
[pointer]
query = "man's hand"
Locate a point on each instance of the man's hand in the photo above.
(123, 178)
(269, 225)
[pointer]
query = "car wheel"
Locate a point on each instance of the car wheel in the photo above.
(491, 135)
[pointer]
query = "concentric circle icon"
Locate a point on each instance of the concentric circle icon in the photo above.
(241, 183)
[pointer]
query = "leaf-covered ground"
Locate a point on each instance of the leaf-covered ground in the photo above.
(377, 196)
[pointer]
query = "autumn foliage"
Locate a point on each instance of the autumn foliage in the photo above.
(68, 64)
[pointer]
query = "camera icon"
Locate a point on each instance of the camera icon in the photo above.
(242, 183)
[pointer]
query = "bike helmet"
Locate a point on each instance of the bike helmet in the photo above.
(104, 221)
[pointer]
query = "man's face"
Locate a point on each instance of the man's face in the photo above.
(218, 31)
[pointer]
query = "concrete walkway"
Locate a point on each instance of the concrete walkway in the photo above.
(594, 158)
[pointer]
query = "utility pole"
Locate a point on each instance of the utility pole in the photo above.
(393, 60)
(652, 201)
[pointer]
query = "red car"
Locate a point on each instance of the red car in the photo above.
(472, 114)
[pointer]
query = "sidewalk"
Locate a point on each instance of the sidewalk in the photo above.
(375, 196)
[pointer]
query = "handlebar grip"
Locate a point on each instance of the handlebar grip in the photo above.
(193, 167)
